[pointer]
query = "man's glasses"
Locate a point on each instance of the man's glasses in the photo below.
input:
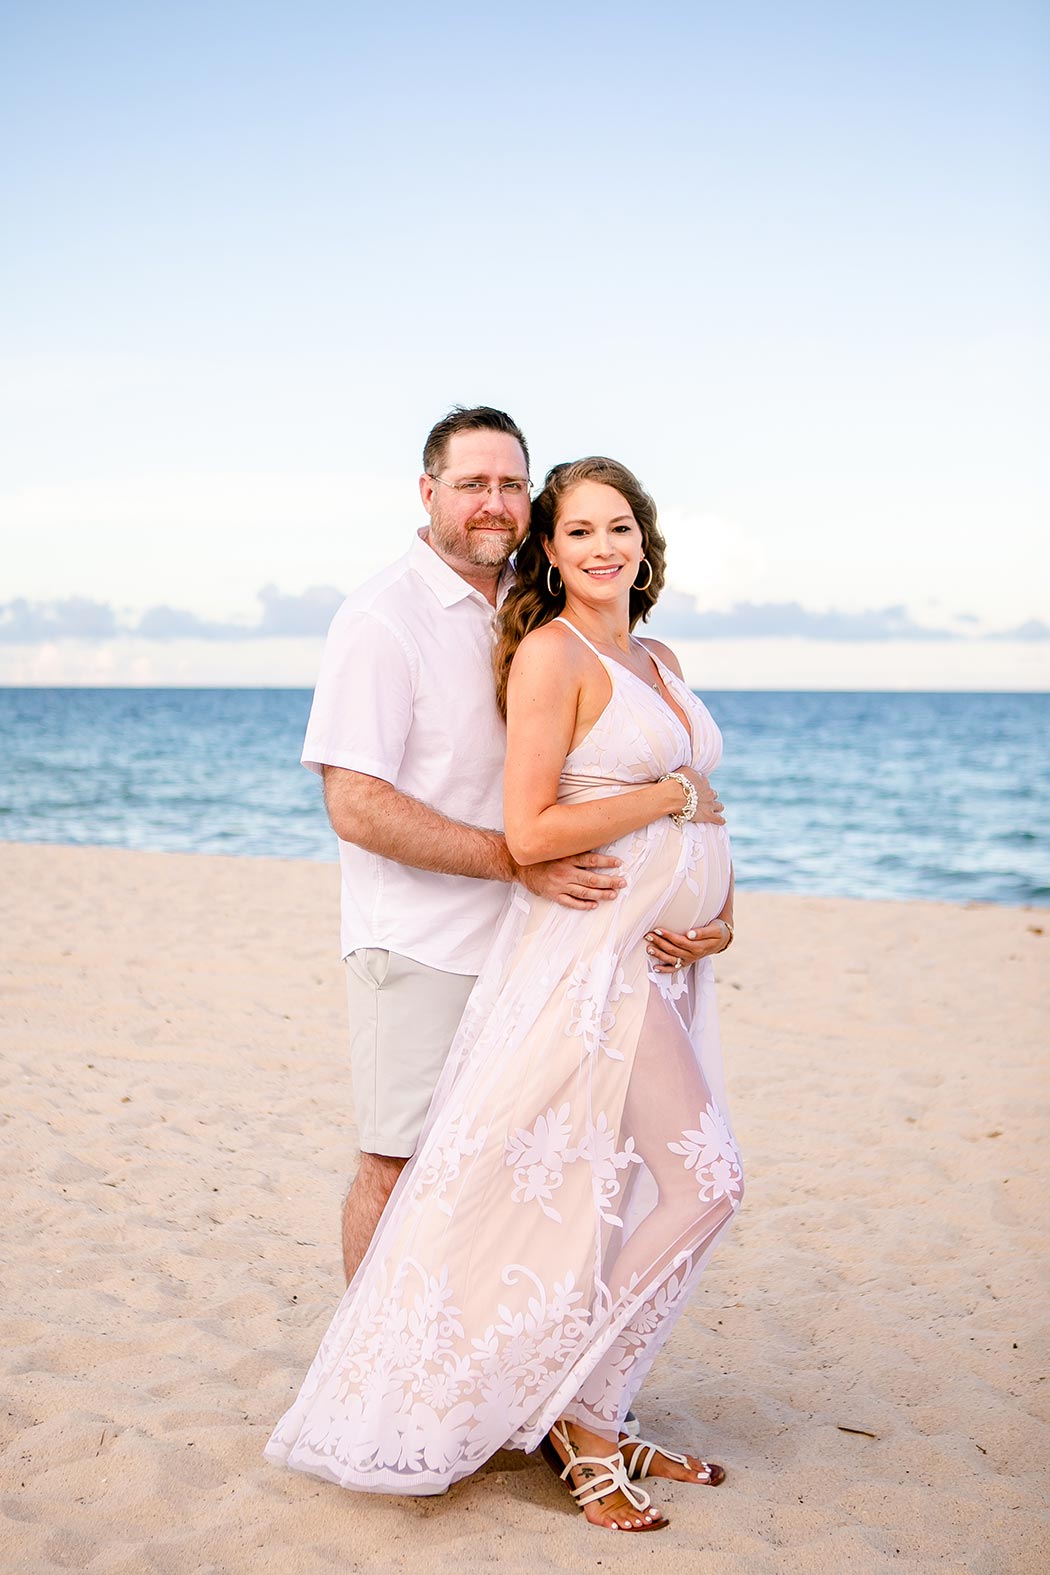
(477, 489)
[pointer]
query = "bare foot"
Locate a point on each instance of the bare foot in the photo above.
(612, 1510)
(668, 1464)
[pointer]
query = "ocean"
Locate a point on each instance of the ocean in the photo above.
(941, 796)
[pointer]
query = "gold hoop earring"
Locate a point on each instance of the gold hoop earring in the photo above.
(552, 568)
(649, 581)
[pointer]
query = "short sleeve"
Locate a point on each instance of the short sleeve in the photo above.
(362, 706)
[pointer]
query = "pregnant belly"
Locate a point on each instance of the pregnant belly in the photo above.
(701, 896)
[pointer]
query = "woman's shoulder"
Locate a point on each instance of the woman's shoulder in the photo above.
(550, 657)
(663, 653)
(551, 642)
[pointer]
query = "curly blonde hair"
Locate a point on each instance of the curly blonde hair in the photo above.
(531, 604)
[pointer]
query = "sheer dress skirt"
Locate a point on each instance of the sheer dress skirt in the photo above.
(575, 1171)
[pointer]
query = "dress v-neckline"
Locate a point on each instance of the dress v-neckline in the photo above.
(662, 669)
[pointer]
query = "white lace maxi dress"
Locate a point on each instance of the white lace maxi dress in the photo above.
(574, 1172)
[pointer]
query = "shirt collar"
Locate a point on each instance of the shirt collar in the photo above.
(446, 584)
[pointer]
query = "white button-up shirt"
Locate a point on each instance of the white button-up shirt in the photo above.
(406, 693)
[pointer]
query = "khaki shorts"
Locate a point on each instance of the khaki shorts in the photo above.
(403, 1018)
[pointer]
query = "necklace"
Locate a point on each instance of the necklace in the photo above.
(651, 682)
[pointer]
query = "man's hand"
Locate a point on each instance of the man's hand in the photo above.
(578, 882)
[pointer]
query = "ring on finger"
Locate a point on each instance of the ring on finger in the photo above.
(677, 963)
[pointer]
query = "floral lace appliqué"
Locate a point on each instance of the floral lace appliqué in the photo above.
(599, 1148)
(442, 1165)
(539, 1155)
(709, 1151)
(594, 990)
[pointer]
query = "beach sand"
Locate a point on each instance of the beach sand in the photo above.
(178, 1131)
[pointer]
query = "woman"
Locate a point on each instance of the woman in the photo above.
(577, 1165)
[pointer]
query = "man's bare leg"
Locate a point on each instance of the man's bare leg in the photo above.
(365, 1201)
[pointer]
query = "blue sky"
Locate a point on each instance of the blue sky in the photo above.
(784, 260)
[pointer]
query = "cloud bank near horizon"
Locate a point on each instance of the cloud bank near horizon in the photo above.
(80, 618)
(309, 613)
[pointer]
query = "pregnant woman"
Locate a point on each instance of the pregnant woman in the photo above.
(577, 1164)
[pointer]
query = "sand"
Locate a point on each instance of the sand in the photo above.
(178, 1130)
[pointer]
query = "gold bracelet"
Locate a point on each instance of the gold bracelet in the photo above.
(729, 927)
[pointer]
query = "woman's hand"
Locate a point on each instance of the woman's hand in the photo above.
(670, 953)
(709, 806)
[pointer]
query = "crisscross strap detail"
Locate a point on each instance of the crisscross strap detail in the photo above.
(613, 1475)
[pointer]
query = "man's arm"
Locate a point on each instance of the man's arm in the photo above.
(375, 815)
(379, 817)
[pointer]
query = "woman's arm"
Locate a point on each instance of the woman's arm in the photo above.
(543, 695)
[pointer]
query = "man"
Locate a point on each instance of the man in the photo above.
(405, 732)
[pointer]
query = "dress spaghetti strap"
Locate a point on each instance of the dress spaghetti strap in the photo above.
(603, 659)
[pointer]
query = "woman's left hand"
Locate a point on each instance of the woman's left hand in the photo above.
(670, 953)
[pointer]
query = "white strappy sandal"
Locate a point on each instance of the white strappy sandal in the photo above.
(645, 1452)
(610, 1476)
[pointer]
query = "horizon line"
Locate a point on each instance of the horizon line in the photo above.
(309, 688)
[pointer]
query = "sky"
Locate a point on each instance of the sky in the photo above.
(782, 259)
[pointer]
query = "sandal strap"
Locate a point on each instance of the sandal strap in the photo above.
(645, 1452)
(612, 1476)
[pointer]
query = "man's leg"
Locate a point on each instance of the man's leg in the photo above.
(365, 1201)
(403, 1018)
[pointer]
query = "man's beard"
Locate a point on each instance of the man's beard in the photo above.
(471, 544)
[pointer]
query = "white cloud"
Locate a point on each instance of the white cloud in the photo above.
(283, 615)
(681, 618)
(308, 613)
(713, 558)
(708, 664)
(965, 665)
(205, 541)
(274, 663)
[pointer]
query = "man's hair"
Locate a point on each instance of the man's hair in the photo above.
(482, 418)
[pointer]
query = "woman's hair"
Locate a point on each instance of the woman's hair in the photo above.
(530, 604)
